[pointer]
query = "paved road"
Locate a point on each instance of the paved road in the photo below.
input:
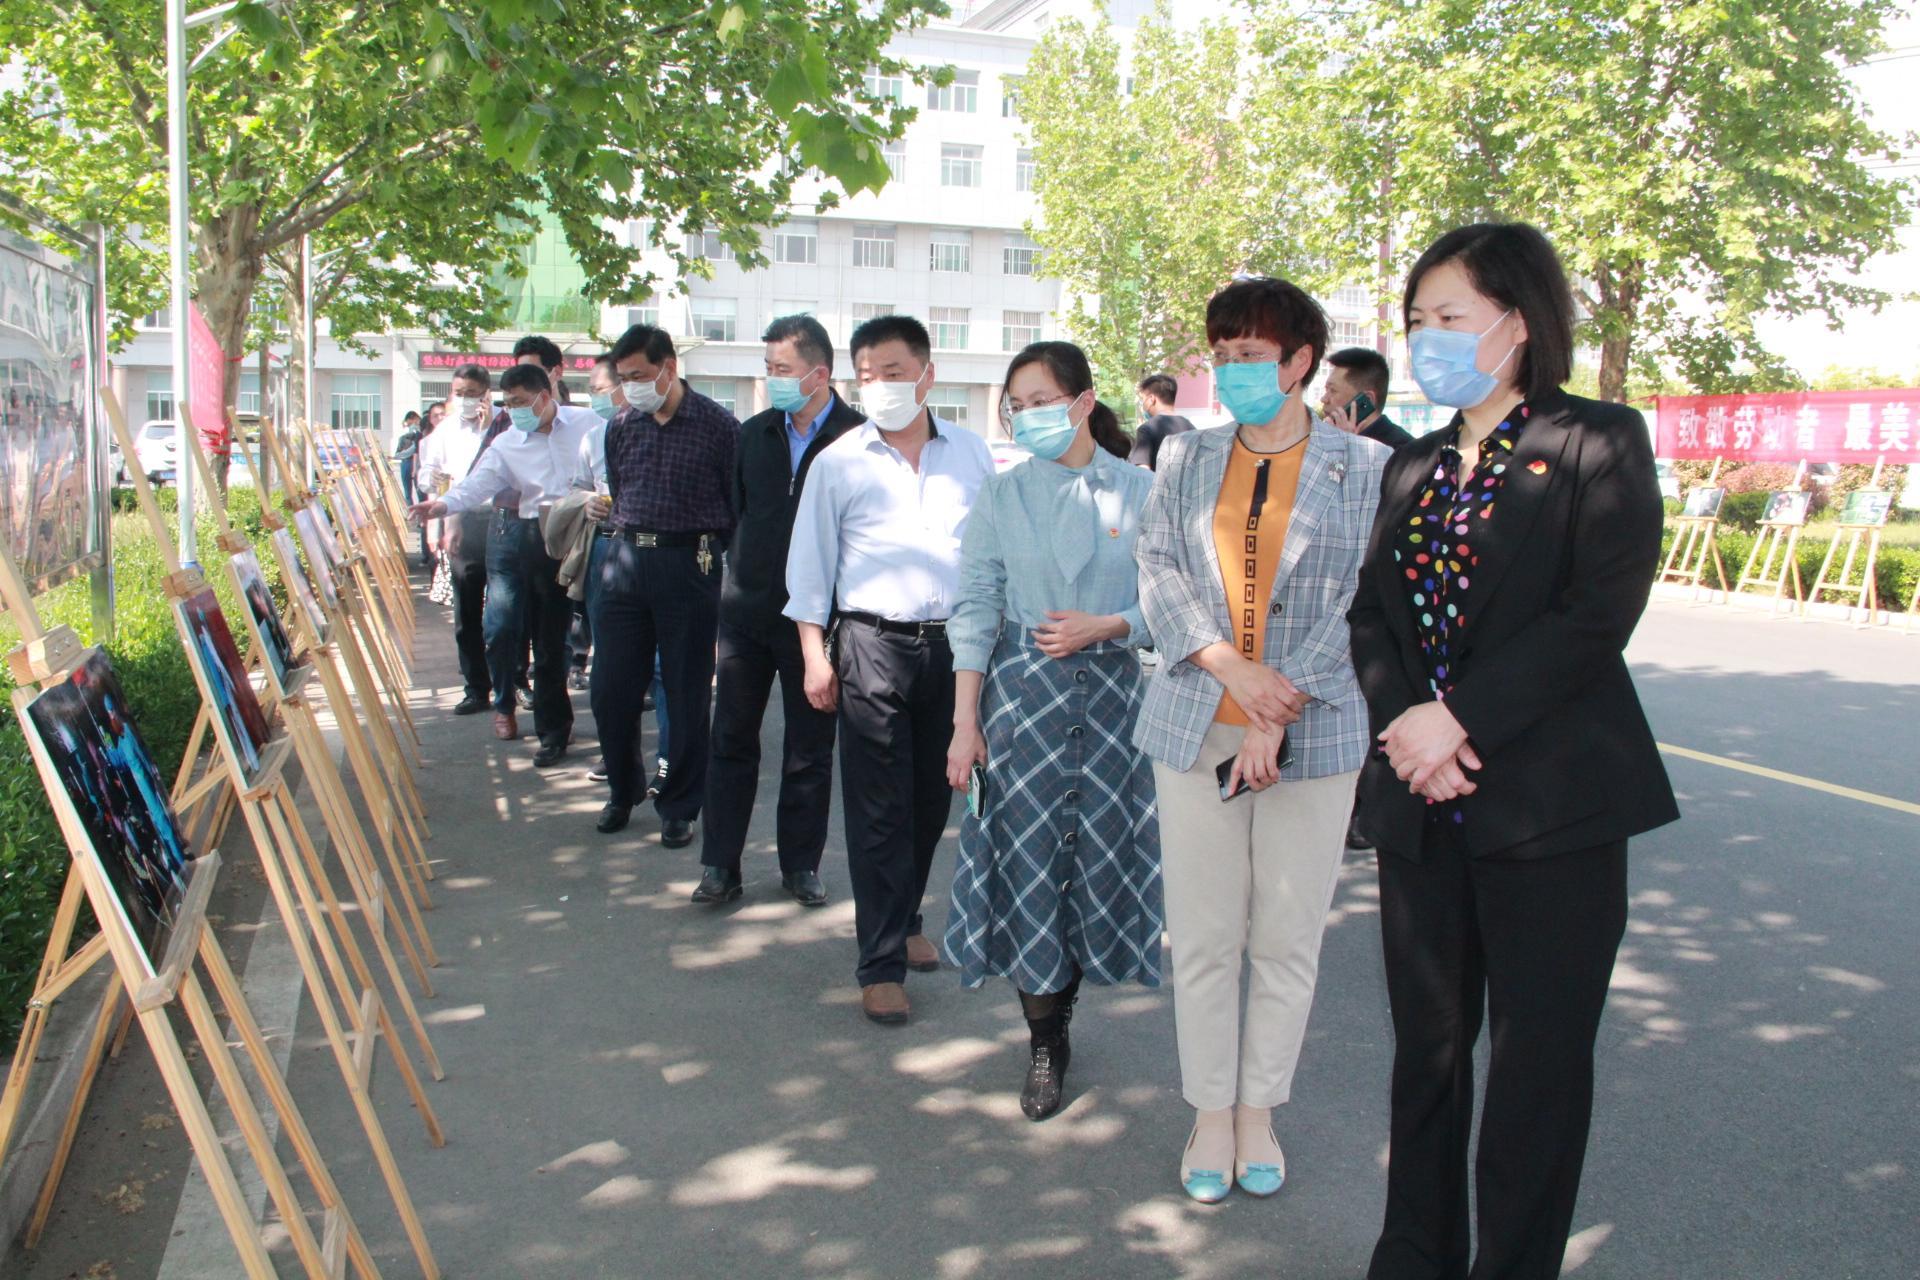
(639, 1087)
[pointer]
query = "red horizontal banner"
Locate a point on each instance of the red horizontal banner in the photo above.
(491, 360)
(1818, 426)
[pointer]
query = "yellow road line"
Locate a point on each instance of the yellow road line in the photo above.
(1812, 784)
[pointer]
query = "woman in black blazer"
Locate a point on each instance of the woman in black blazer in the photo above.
(1511, 557)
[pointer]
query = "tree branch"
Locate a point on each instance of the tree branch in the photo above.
(144, 113)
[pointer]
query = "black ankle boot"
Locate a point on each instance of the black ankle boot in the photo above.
(1050, 1050)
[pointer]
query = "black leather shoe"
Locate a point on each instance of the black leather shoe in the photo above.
(472, 706)
(613, 818)
(598, 773)
(805, 887)
(550, 754)
(676, 833)
(1356, 838)
(1046, 1081)
(717, 884)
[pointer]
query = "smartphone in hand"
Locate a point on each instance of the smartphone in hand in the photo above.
(977, 791)
(1223, 772)
(1362, 407)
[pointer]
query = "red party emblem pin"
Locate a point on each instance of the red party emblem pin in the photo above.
(1538, 467)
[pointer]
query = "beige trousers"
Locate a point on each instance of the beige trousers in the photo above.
(1252, 876)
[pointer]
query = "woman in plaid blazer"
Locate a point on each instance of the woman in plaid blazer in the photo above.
(1249, 548)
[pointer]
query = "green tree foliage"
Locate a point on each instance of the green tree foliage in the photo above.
(432, 129)
(1145, 195)
(1698, 164)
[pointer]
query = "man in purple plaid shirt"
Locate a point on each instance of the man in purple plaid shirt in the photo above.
(656, 576)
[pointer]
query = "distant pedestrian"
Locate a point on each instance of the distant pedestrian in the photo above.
(1355, 398)
(876, 556)
(758, 642)
(1059, 872)
(1248, 554)
(1158, 421)
(1507, 569)
(462, 540)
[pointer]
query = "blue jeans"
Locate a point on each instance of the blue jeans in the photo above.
(524, 597)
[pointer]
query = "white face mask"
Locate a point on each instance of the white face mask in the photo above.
(643, 395)
(469, 407)
(892, 405)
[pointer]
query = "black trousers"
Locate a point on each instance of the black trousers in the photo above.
(896, 721)
(646, 601)
(523, 583)
(747, 667)
(1533, 943)
(467, 567)
(581, 637)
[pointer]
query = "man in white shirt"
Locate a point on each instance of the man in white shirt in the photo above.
(876, 553)
(537, 456)
(445, 457)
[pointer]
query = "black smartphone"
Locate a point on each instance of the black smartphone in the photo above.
(1362, 407)
(977, 791)
(1223, 772)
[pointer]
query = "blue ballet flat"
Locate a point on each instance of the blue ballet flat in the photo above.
(1261, 1179)
(1206, 1186)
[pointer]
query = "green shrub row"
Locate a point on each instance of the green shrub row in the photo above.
(1896, 569)
(153, 670)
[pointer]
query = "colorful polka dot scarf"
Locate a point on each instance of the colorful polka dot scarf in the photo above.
(1436, 552)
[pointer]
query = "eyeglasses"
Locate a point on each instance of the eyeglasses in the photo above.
(1008, 407)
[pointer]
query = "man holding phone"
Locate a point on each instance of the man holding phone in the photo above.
(1356, 392)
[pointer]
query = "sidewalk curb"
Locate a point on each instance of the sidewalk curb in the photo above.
(59, 1067)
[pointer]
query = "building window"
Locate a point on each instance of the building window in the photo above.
(1021, 257)
(713, 319)
(873, 244)
(895, 150)
(949, 325)
(1023, 169)
(719, 390)
(161, 319)
(433, 393)
(962, 95)
(1349, 333)
(709, 245)
(249, 398)
(865, 311)
(797, 242)
(794, 307)
(887, 84)
(959, 165)
(949, 403)
(1352, 295)
(1019, 329)
(951, 250)
(356, 401)
(647, 312)
(1010, 97)
(160, 394)
(638, 233)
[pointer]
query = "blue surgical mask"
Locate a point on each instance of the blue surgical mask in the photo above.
(1445, 364)
(1046, 430)
(527, 420)
(1250, 392)
(602, 405)
(785, 394)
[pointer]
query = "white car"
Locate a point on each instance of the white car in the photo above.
(156, 446)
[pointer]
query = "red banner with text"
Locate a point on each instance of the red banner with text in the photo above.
(1818, 426)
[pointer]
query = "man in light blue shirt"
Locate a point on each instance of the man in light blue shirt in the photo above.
(876, 551)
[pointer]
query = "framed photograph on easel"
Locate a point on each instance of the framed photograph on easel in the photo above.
(217, 664)
(287, 553)
(1866, 509)
(263, 620)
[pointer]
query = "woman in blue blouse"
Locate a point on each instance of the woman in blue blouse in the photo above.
(1059, 875)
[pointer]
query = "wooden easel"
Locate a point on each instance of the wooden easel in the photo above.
(1864, 594)
(1776, 568)
(1694, 547)
(46, 659)
(400, 816)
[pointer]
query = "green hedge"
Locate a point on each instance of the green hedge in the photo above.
(153, 670)
(1896, 570)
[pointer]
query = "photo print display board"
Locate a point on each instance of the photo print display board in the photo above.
(307, 520)
(217, 664)
(276, 648)
(1866, 508)
(299, 586)
(1703, 503)
(1787, 507)
(90, 750)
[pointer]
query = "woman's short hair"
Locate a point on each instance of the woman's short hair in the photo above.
(1277, 310)
(1514, 266)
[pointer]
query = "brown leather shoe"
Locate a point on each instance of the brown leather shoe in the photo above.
(921, 957)
(885, 1002)
(505, 727)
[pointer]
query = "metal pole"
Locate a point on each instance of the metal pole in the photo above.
(307, 340)
(180, 248)
(100, 483)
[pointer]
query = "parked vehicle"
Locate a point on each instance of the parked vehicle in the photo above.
(156, 447)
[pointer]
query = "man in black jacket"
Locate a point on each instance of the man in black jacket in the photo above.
(757, 641)
(1350, 372)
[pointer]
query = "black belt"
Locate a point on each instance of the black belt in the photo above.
(924, 630)
(513, 514)
(644, 538)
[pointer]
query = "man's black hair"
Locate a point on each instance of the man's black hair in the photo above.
(1366, 369)
(808, 335)
(527, 377)
(891, 329)
(546, 349)
(1160, 386)
(655, 343)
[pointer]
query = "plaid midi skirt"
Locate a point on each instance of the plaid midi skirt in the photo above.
(1065, 867)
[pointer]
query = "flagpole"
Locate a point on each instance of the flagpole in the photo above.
(179, 250)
